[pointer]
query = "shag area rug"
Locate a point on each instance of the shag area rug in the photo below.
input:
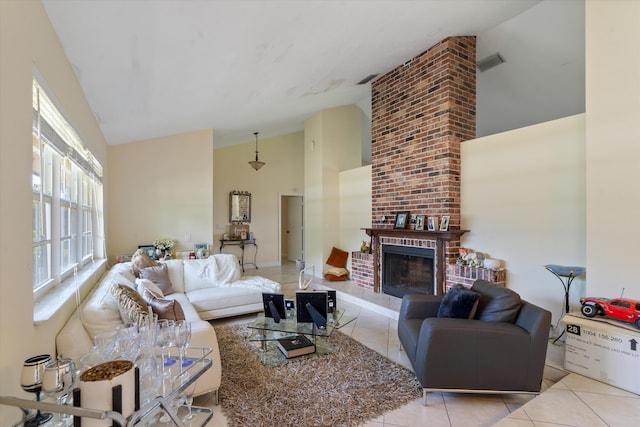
(345, 388)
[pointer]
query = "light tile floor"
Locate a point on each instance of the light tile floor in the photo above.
(568, 399)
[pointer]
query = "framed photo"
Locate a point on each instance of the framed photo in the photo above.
(431, 223)
(419, 222)
(402, 218)
(150, 250)
(201, 250)
(444, 223)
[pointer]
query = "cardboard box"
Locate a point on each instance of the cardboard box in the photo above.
(602, 350)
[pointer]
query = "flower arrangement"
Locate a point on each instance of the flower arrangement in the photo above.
(164, 244)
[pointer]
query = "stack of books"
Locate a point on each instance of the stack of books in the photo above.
(295, 346)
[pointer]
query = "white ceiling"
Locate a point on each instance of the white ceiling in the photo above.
(153, 68)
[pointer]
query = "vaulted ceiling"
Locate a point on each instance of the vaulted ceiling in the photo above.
(153, 68)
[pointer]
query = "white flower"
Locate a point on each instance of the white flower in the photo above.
(164, 244)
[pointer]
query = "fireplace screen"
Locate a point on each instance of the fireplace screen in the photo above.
(407, 270)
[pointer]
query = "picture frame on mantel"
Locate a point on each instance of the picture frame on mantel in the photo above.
(420, 222)
(431, 223)
(444, 223)
(402, 218)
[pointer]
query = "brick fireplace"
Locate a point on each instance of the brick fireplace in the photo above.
(421, 112)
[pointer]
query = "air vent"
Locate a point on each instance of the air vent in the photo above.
(367, 79)
(490, 62)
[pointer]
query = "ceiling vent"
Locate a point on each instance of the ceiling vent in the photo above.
(490, 62)
(367, 79)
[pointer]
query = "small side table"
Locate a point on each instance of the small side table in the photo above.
(242, 244)
(565, 274)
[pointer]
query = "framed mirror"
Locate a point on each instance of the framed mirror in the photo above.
(239, 206)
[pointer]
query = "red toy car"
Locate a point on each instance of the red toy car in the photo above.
(627, 310)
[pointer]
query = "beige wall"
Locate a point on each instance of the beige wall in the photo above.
(282, 174)
(162, 188)
(27, 42)
(355, 207)
(523, 200)
(613, 147)
(333, 144)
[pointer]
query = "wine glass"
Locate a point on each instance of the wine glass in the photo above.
(107, 345)
(162, 341)
(187, 395)
(58, 378)
(165, 337)
(149, 378)
(129, 339)
(31, 381)
(183, 336)
(171, 341)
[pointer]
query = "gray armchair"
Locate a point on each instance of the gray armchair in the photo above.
(502, 349)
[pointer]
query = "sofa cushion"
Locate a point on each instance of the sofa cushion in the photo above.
(497, 303)
(176, 273)
(164, 308)
(146, 284)
(140, 260)
(337, 258)
(133, 307)
(217, 298)
(158, 274)
(336, 271)
(459, 303)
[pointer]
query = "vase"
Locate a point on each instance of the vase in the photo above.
(159, 253)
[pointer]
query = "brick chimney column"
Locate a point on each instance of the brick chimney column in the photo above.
(421, 112)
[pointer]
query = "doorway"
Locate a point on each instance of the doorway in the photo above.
(291, 228)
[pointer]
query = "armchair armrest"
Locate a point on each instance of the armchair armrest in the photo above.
(419, 306)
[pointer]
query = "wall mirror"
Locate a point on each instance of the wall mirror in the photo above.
(240, 206)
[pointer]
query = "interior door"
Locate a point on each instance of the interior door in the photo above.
(294, 229)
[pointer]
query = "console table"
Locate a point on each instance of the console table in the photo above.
(242, 244)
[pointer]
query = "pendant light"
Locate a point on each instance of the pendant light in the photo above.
(256, 164)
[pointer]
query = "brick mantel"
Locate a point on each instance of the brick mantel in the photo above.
(440, 237)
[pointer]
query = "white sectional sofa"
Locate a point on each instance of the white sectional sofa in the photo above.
(206, 289)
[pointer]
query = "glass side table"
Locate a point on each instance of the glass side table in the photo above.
(565, 274)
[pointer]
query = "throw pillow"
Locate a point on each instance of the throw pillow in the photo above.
(159, 275)
(141, 260)
(164, 308)
(497, 303)
(336, 274)
(148, 284)
(459, 303)
(338, 258)
(335, 271)
(133, 308)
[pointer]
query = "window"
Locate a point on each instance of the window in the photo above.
(67, 197)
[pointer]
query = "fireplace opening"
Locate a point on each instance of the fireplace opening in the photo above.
(407, 270)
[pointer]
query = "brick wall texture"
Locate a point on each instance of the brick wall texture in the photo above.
(421, 111)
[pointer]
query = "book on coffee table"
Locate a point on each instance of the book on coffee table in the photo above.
(295, 346)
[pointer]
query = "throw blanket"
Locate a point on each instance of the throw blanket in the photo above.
(220, 269)
(223, 270)
(257, 282)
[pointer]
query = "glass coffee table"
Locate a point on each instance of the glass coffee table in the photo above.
(265, 331)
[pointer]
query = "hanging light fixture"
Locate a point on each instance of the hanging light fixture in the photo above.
(256, 164)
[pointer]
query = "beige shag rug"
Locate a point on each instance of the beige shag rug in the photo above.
(346, 388)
